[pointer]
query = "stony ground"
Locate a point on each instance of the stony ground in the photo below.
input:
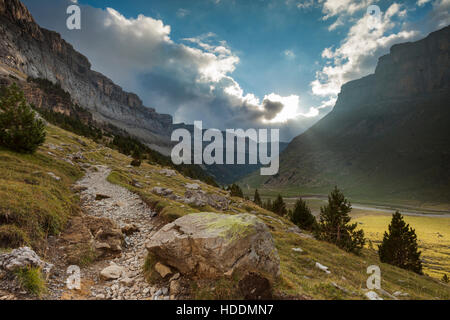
(124, 208)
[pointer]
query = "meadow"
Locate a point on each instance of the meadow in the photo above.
(433, 232)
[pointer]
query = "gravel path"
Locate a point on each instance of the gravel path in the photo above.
(124, 207)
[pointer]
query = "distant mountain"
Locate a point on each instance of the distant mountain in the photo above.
(229, 173)
(388, 136)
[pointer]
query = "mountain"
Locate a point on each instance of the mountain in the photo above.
(29, 51)
(388, 136)
(32, 51)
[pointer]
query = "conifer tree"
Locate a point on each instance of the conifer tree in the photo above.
(20, 130)
(235, 191)
(334, 224)
(257, 198)
(302, 216)
(279, 207)
(399, 246)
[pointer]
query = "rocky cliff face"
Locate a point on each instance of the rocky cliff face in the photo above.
(388, 135)
(40, 53)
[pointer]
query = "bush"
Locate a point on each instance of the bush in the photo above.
(20, 130)
(302, 216)
(445, 279)
(399, 246)
(32, 281)
(334, 224)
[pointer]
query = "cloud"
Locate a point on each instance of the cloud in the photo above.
(289, 54)
(332, 8)
(191, 79)
(181, 13)
(358, 53)
(422, 2)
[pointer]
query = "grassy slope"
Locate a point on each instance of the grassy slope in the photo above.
(299, 276)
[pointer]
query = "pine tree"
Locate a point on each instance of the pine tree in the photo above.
(302, 216)
(235, 191)
(20, 130)
(268, 205)
(279, 207)
(399, 246)
(257, 198)
(334, 224)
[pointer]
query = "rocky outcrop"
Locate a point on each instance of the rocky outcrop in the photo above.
(210, 245)
(410, 70)
(40, 53)
(22, 258)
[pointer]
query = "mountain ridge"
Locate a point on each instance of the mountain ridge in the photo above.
(387, 136)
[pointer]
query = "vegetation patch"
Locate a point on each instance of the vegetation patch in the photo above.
(32, 281)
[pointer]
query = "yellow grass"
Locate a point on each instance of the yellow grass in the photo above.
(433, 236)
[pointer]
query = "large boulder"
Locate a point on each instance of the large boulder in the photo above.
(211, 245)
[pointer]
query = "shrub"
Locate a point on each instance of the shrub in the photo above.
(445, 279)
(334, 224)
(20, 130)
(399, 246)
(31, 280)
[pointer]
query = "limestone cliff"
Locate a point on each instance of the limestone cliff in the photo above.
(387, 137)
(36, 52)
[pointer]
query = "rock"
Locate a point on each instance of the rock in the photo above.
(175, 287)
(162, 191)
(168, 172)
(211, 245)
(129, 229)
(162, 270)
(192, 186)
(87, 235)
(175, 277)
(22, 258)
(99, 197)
(372, 295)
(322, 267)
(400, 294)
(136, 184)
(128, 282)
(54, 176)
(112, 272)
(200, 198)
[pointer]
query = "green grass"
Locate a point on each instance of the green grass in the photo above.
(37, 209)
(32, 281)
(34, 205)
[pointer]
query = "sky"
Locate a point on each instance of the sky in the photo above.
(240, 63)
